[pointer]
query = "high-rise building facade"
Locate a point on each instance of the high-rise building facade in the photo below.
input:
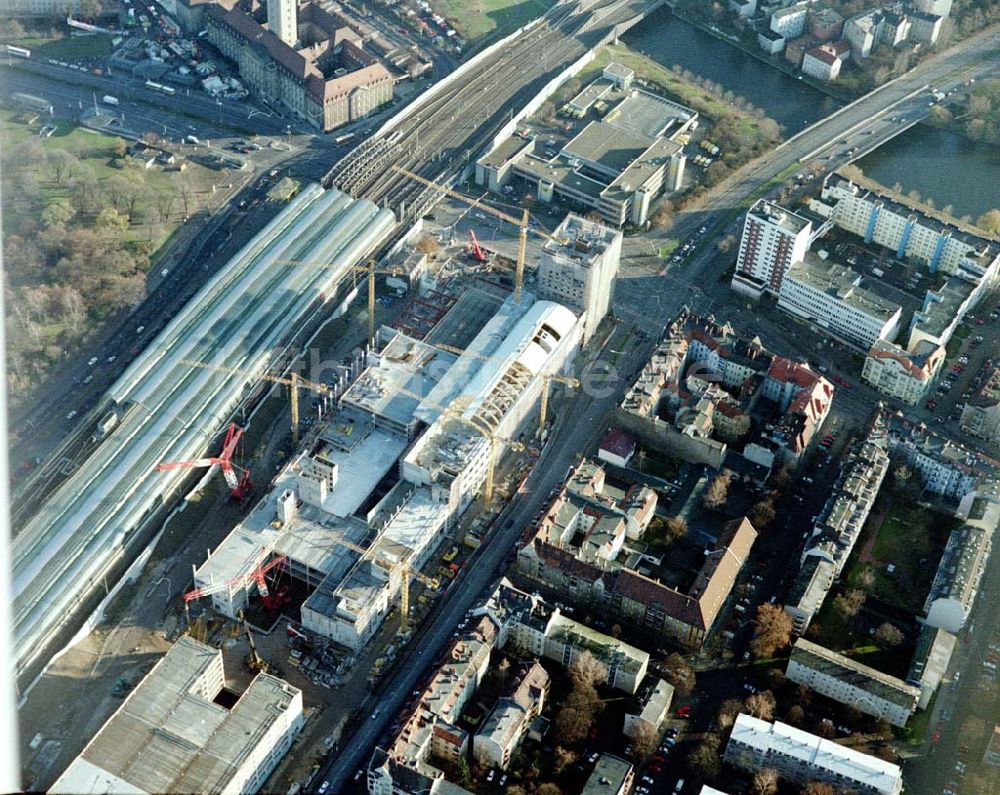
(281, 20)
(773, 238)
(580, 271)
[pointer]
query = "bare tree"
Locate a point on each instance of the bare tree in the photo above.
(704, 760)
(764, 782)
(587, 670)
(795, 715)
(643, 741)
(818, 788)
(761, 705)
(674, 528)
(728, 711)
(849, 603)
(888, 636)
(762, 514)
(61, 163)
(774, 631)
(718, 490)
(679, 674)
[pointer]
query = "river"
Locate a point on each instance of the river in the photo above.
(669, 41)
(941, 165)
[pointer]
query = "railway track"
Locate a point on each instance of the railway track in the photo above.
(444, 134)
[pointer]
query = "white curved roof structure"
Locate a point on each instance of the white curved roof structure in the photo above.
(172, 411)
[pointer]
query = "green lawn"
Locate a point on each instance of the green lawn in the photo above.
(70, 48)
(687, 93)
(668, 248)
(911, 539)
(96, 152)
(474, 19)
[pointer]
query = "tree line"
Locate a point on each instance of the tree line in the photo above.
(71, 252)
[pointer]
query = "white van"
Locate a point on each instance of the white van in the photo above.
(679, 785)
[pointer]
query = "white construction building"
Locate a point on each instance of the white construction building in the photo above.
(580, 271)
(182, 730)
(405, 454)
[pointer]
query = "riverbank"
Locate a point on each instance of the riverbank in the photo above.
(832, 90)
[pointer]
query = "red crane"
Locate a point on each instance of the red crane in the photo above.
(239, 487)
(475, 250)
(257, 574)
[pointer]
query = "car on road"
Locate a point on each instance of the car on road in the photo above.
(92, 362)
(71, 415)
(111, 358)
(491, 775)
(376, 712)
(140, 329)
(323, 788)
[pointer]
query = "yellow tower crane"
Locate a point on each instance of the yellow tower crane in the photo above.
(294, 382)
(521, 223)
(405, 572)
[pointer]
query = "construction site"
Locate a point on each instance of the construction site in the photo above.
(356, 522)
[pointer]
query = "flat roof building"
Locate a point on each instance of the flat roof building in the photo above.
(579, 271)
(832, 297)
(173, 733)
(616, 165)
(610, 776)
(848, 682)
(800, 757)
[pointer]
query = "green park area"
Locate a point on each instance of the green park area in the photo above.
(70, 48)
(910, 540)
(83, 223)
(475, 19)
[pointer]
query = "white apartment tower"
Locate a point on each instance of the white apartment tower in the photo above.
(773, 238)
(282, 20)
(579, 272)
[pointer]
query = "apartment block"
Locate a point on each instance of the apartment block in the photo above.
(838, 525)
(652, 706)
(571, 562)
(834, 298)
(800, 757)
(910, 231)
(965, 558)
(521, 624)
(509, 720)
(848, 682)
(981, 414)
(790, 22)
(825, 61)
(906, 376)
(773, 239)
(610, 776)
(946, 468)
(306, 61)
(579, 267)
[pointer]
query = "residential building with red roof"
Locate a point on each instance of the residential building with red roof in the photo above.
(904, 375)
(326, 79)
